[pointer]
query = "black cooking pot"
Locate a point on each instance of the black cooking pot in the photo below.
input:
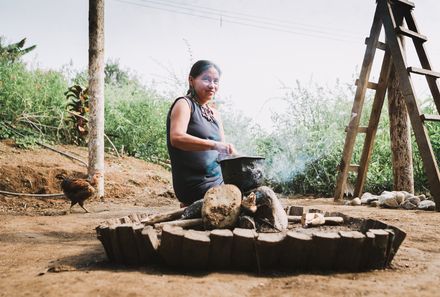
(246, 172)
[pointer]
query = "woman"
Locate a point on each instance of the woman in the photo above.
(195, 136)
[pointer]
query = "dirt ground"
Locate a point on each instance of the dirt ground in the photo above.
(44, 252)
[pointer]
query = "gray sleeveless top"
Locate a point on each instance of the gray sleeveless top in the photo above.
(194, 173)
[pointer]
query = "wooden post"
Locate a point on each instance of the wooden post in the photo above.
(400, 132)
(96, 92)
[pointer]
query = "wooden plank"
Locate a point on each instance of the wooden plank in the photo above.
(220, 249)
(412, 34)
(370, 85)
(195, 250)
(127, 244)
(295, 253)
(380, 45)
(268, 248)
(430, 117)
(424, 72)
(243, 249)
(348, 256)
(421, 134)
(353, 168)
(373, 123)
(356, 111)
(324, 250)
(424, 61)
(170, 247)
(163, 217)
(361, 129)
(181, 223)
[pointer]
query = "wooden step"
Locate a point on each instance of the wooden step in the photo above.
(408, 4)
(411, 34)
(361, 129)
(430, 117)
(370, 85)
(424, 72)
(380, 45)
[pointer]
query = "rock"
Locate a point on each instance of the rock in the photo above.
(407, 194)
(193, 211)
(246, 222)
(356, 201)
(375, 203)
(221, 207)
(388, 200)
(400, 196)
(270, 215)
(367, 198)
(422, 197)
(312, 219)
(426, 205)
(408, 205)
(414, 200)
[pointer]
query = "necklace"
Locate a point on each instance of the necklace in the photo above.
(206, 111)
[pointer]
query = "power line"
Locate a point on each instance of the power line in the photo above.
(248, 24)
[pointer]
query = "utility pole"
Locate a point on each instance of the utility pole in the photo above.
(96, 92)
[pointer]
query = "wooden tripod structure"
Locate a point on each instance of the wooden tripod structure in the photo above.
(391, 14)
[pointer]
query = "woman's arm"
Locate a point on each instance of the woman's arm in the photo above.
(179, 120)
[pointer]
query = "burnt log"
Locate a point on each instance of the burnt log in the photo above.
(195, 249)
(246, 222)
(220, 248)
(270, 215)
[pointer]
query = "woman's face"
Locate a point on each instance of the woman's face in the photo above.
(206, 84)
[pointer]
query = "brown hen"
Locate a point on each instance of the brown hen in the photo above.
(77, 190)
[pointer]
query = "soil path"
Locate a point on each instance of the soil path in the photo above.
(44, 252)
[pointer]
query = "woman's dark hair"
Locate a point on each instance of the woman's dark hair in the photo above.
(202, 65)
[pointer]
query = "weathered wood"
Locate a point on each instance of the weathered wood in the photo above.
(295, 210)
(243, 249)
(180, 223)
(163, 217)
(366, 251)
(326, 220)
(424, 72)
(96, 94)
(220, 249)
(356, 111)
(195, 249)
(134, 218)
(324, 249)
(147, 244)
(399, 236)
(103, 234)
(378, 253)
(127, 244)
(268, 249)
(296, 250)
(414, 35)
(221, 207)
(170, 247)
(348, 256)
(370, 85)
(117, 253)
(430, 117)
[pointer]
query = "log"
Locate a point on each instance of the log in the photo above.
(127, 244)
(170, 247)
(221, 207)
(366, 251)
(220, 249)
(327, 220)
(296, 250)
(312, 220)
(333, 221)
(195, 249)
(163, 217)
(180, 223)
(103, 234)
(268, 249)
(243, 249)
(378, 252)
(117, 253)
(324, 249)
(147, 244)
(134, 218)
(349, 252)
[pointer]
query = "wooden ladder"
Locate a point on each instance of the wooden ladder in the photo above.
(390, 15)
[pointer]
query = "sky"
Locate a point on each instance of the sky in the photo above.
(260, 45)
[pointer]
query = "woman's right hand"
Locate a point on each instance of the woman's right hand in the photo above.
(224, 148)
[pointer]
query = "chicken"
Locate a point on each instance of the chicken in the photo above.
(77, 190)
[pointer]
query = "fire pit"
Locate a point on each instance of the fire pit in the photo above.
(352, 245)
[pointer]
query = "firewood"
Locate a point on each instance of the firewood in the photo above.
(220, 249)
(221, 207)
(181, 223)
(170, 247)
(195, 249)
(317, 222)
(268, 248)
(312, 220)
(163, 217)
(296, 250)
(243, 249)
